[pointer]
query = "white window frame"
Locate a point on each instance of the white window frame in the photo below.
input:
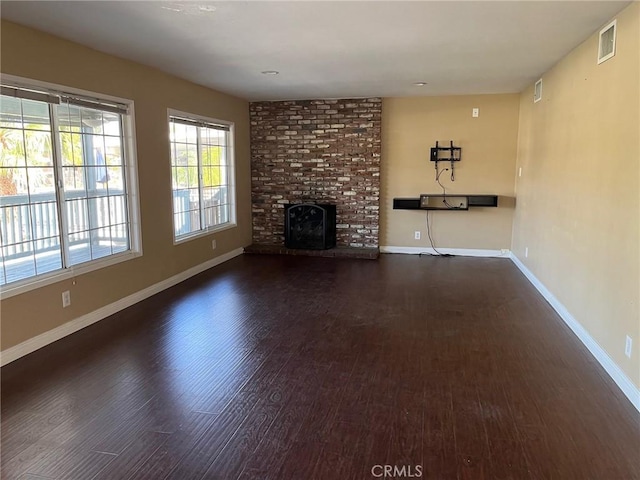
(132, 193)
(612, 54)
(231, 161)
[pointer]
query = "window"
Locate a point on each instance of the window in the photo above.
(66, 191)
(607, 43)
(201, 174)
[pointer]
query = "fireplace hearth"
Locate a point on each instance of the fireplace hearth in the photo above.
(310, 226)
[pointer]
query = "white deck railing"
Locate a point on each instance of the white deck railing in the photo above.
(188, 213)
(30, 223)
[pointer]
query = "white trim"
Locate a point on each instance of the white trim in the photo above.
(611, 54)
(172, 112)
(203, 233)
(463, 252)
(32, 283)
(132, 186)
(26, 82)
(44, 339)
(615, 372)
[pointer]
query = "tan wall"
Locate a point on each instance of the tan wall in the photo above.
(578, 200)
(410, 127)
(36, 55)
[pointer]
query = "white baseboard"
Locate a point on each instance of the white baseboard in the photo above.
(44, 339)
(615, 372)
(463, 252)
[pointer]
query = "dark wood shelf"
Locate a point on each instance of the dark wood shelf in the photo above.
(460, 202)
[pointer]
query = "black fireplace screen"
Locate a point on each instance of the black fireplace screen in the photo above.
(310, 226)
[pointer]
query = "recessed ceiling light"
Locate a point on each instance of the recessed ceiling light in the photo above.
(420, 84)
(270, 72)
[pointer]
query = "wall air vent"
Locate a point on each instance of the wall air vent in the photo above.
(607, 43)
(537, 91)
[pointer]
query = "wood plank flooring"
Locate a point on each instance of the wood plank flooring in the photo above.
(301, 368)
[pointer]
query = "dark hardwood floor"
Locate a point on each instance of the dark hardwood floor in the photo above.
(279, 367)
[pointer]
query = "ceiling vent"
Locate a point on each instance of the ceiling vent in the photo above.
(607, 43)
(537, 91)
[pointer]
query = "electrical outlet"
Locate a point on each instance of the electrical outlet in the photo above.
(520, 172)
(213, 245)
(475, 112)
(627, 346)
(66, 299)
(526, 252)
(416, 235)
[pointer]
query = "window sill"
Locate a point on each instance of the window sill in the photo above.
(33, 283)
(204, 233)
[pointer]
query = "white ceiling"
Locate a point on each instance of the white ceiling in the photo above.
(326, 49)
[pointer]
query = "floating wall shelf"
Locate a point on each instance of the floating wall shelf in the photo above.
(428, 201)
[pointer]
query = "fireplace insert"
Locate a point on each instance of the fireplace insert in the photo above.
(310, 226)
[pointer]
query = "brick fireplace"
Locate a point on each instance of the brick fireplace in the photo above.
(322, 151)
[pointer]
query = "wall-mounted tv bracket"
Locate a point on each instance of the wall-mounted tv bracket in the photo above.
(446, 154)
